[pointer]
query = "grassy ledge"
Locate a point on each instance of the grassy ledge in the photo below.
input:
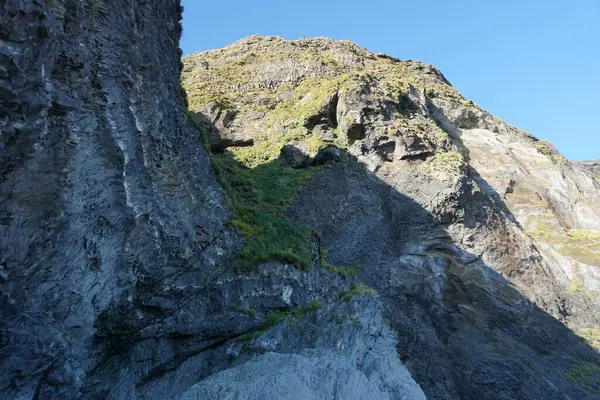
(359, 289)
(259, 198)
(276, 317)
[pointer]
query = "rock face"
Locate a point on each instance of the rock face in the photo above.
(592, 167)
(353, 238)
(477, 236)
(107, 199)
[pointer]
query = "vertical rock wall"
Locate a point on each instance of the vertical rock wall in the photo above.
(99, 175)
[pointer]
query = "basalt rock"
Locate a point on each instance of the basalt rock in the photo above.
(446, 254)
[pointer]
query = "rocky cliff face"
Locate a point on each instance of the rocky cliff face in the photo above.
(105, 195)
(347, 226)
(456, 219)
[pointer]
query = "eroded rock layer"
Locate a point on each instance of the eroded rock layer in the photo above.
(338, 224)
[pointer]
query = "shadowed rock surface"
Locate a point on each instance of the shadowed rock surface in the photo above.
(353, 238)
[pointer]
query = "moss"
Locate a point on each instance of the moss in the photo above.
(576, 286)
(246, 311)
(581, 254)
(586, 375)
(234, 78)
(545, 147)
(276, 317)
(592, 336)
(539, 227)
(359, 289)
(259, 198)
(341, 271)
(449, 163)
(582, 235)
(580, 245)
(199, 98)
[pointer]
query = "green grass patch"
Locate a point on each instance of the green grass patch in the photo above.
(276, 317)
(580, 235)
(581, 254)
(578, 244)
(341, 271)
(359, 289)
(246, 311)
(592, 336)
(586, 375)
(259, 198)
(576, 286)
(451, 163)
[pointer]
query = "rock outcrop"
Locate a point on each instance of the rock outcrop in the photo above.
(591, 167)
(324, 223)
(458, 219)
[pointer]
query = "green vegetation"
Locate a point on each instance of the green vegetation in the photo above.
(580, 235)
(341, 271)
(580, 245)
(276, 317)
(246, 311)
(359, 289)
(576, 286)
(538, 226)
(449, 163)
(548, 149)
(235, 78)
(582, 254)
(545, 147)
(286, 121)
(586, 375)
(259, 198)
(469, 103)
(592, 336)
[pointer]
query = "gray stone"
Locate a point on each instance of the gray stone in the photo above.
(117, 277)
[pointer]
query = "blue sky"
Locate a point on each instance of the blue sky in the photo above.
(533, 63)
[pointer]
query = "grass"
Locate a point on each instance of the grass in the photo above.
(276, 317)
(359, 289)
(246, 311)
(546, 148)
(582, 254)
(449, 163)
(259, 198)
(580, 245)
(582, 235)
(341, 271)
(586, 375)
(542, 229)
(592, 336)
(234, 79)
(576, 286)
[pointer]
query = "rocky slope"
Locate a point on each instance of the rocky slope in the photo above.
(347, 226)
(456, 206)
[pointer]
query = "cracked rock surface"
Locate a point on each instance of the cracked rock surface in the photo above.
(428, 278)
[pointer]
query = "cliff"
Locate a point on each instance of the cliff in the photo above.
(323, 222)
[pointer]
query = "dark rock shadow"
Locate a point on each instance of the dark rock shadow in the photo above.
(464, 331)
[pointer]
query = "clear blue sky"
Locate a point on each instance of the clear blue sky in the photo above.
(533, 63)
